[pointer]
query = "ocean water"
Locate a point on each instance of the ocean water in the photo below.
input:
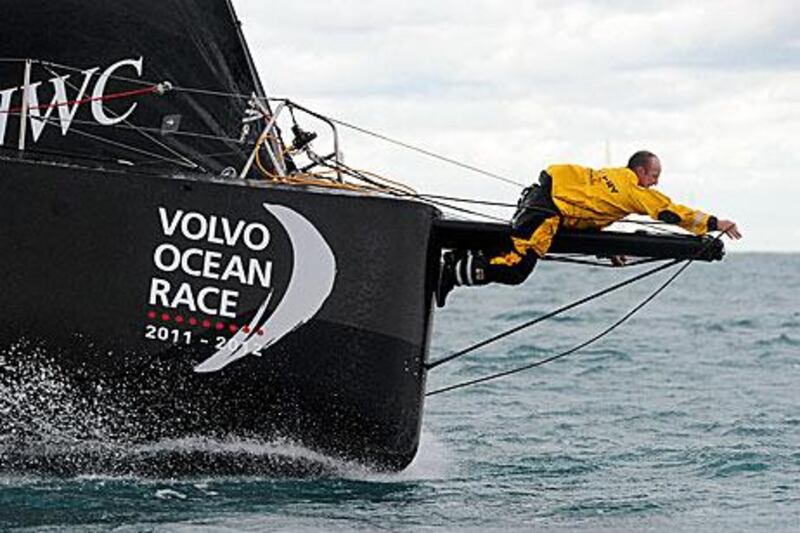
(686, 417)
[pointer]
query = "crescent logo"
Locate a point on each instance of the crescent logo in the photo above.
(311, 283)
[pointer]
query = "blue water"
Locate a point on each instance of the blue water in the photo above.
(685, 417)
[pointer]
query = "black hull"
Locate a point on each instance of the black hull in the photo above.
(79, 250)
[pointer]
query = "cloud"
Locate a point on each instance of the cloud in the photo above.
(514, 85)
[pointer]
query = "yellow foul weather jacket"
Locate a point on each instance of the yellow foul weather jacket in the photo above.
(588, 198)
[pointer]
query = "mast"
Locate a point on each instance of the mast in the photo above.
(259, 88)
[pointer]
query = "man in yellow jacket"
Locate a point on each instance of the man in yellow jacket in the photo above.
(574, 197)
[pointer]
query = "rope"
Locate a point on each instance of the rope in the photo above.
(574, 261)
(552, 314)
(394, 188)
(150, 89)
(317, 179)
(130, 148)
(124, 146)
(435, 199)
(580, 346)
(191, 134)
(467, 211)
(160, 88)
(104, 98)
(427, 152)
(358, 174)
(533, 208)
(76, 69)
(572, 350)
(393, 185)
(655, 224)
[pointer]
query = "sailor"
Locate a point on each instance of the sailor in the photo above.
(573, 197)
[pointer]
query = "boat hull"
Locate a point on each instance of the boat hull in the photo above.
(182, 307)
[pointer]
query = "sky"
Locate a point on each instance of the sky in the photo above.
(712, 87)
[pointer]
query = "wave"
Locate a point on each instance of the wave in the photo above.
(50, 428)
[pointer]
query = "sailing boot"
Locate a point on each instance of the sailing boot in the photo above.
(460, 269)
(470, 269)
(447, 278)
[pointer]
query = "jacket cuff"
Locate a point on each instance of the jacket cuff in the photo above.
(712, 223)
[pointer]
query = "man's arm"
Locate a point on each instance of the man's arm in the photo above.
(659, 207)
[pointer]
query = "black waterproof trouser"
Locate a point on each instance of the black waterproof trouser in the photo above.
(535, 205)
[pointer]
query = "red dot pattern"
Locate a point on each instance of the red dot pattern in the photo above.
(204, 322)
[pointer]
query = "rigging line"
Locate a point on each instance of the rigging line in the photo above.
(124, 146)
(427, 152)
(222, 94)
(459, 209)
(539, 209)
(410, 194)
(136, 81)
(338, 121)
(544, 211)
(375, 184)
(358, 175)
(128, 147)
(656, 225)
(354, 127)
(335, 120)
(666, 232)
(551, 314)
(203, 155)
(38, 151)
(604, 218)
(385, 182)
(572, 260)
(191, 90)
(139, 81)
(103, 98)
(191, 134)
(372, 178)
(134, 127)
(463, 210)
(12, 60)
(186, 161)
(572, 350)
(596, 337)
(430, 198)
(466, 200)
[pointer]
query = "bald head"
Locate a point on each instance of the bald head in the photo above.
(646, 166)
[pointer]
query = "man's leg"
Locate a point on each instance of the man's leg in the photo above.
(472, 268)
(511, 268)
(534, 225)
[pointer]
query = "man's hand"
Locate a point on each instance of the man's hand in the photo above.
(618, 260)
(728, 227)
